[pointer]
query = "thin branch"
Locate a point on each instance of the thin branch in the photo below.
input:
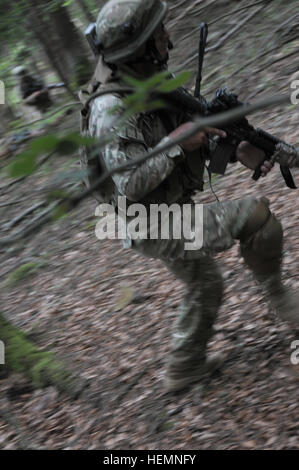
(33, 227)
(281, 88)
(199, 124)
(223, 38)
(19, 180)
(21, 216)
(185, 13)
(286, 22)
(236, 28)
(28, 259)
(248, 63)
(253, 95)
(10, 184)
(177, 5)
(12, 203)
(68, 105)
(237, 10)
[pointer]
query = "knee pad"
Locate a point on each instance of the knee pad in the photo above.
(257, 219)
(262, 240)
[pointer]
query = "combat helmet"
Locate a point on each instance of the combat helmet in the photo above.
(123, 26)
(19, 71)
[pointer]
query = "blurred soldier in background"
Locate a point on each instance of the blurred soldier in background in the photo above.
(32, 90)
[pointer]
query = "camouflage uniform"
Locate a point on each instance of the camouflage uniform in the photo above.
(33, 90)
(29, 85)
(172, 177)
(169, 178)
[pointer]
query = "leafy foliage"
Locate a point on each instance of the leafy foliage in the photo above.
(25, 163)
(143, 99)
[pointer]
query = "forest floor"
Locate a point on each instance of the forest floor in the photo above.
(108, 313)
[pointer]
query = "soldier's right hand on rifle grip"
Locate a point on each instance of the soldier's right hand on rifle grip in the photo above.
(197, 140)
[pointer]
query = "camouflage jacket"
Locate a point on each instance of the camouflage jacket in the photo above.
(171, 176)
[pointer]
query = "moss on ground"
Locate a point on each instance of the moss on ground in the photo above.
(22, 272)
(40, 367)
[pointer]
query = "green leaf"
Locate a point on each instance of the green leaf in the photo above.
(146, 85)
(70, 143)
(132, 81)
(79, 139)
(167, 425)
(126, 296)
(58, 194)
(151, 82)
(135, 97)
(174, 83)
(66, 147)
(23, 165)
(155, 104)
(43, 144)
(23, 271)
(59, 212)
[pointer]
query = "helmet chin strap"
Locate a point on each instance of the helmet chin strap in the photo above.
(150, 57)
(152, 54)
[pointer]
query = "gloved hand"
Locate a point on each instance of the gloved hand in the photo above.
(286, 155)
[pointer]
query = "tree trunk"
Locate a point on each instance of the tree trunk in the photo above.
(86, 11)
(62, 42)
(40, 30)
(72, 46)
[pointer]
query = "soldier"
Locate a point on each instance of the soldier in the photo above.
(32, 90)
(132, 38)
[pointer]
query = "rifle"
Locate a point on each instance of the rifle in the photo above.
(236, 132)
(203, 35)
(55, 85)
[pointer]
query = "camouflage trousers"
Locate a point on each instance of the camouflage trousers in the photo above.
(222, 222)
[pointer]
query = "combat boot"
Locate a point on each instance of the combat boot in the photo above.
(283, 299)
(176, 381)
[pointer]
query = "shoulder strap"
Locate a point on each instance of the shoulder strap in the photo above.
(94, 91)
